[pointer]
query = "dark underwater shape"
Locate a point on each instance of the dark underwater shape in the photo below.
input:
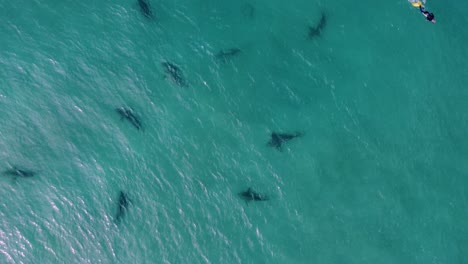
(175, 73)
(145, 8)
(278, 139)
(248, 11)
(127, 113)
(316, 31)
(226, 54)
(250, 195)
(19, 172)
(123, 206)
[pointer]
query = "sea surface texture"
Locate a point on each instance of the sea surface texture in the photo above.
(140, 123)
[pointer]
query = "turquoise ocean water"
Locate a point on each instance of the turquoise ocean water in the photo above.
(380, 175)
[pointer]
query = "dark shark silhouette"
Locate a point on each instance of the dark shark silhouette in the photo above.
(175, 73)
(317, 30)
(123, 206)
(278, 139)
(224, 55)
(16, 172)
(145, 8)
(250, 195)
(128, 114)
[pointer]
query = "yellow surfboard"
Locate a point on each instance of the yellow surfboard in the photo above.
(417, 4)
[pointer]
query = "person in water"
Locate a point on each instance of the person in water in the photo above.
(429, 16)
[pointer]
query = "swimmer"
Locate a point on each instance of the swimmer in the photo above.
(429, 16)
